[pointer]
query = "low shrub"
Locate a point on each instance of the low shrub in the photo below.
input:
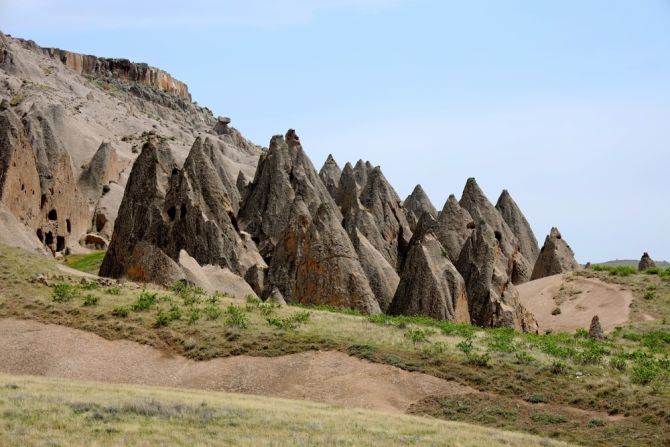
(523, 358)
(466, 346)
(193, 315)
(212, 312)
(64, 292)
(114, 290)
(416, 335)
(236, 317)
(120, 311)
(144, 301)
(289, 323)
(90, 300)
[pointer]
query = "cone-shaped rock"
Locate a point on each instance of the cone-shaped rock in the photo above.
(315, 263)
(512, 215)
(555, 257)
(480, 208)
(493, 300)
(596, 330)
(429, 283)
(645, 262)
(141, 219)
(453, 228)
(106, 165)
(283, 172)
(200, 207)
(416, 204)
(330, 175)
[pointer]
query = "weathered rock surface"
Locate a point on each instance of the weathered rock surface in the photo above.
(213, 278)
(221, 126)
(480, 208)
(330, 174)
(142, 219)
(493, 300)
(283, 173)
(512, 215)
(315, 263)
(105, 166)
(454, 226)
(416, 204)
(645, 262)
(596, 330)
(430, 285)
(555, 257)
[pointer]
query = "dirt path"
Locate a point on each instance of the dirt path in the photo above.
(28, 347)
(579, 300)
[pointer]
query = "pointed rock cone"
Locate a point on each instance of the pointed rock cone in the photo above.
(645, 262)
(480, 208)
(517, 222)
(330, 174)
(283, 172)
(276, 297)
(315, 263)
(141, 219)
(493, 300)
(454, 226)
(555, 257)
(596, 330)
(416, 204)
(430, 285)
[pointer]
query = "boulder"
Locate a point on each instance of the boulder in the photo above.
(429, 284)
(555, 257)
(493, 301)
(330, 175)
(512, 215)
(95, 241)
(315, 263)
(213, 278)
(454, 226)
(596, 330)
(276, 297)
(480, 208)
(221, 126)
(645, 262)
(416, 204)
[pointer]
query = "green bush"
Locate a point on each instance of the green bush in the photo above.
(581, 333)
(289, 323)
(618, 363)
(162, 318)
(596, 422)
(236, 317)
(644, 371)
(557, 367)
(193, 315)
(114, 290)
(212, 312)
(523, 358)
(174, 313)
(64, 292)
(89, 285)
(653, 271)
(214, 298)
(120, 311)
(501, 340)
(90, 300)
(466, 346)
(649, 295)
(144, 301)
(416, 335)
(478, 359)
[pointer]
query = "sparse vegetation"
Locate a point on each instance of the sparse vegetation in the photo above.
(89, 263)
(120, 311)
(64, 292)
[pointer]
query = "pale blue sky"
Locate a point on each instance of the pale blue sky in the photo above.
(564, 103)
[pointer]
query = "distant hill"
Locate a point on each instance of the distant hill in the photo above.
(631, 262)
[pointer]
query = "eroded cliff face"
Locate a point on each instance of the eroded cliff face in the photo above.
(121, 69)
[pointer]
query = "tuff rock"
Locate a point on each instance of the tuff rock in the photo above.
(555, 257)
(454, 226)
(416, 204)
(493, 301)
(330, 175)
(645, 262)
(429, 284)
(512, 215)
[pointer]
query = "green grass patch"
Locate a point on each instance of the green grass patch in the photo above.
(89, 263)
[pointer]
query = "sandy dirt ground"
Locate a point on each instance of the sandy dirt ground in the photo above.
(28, 347)
(579, 300)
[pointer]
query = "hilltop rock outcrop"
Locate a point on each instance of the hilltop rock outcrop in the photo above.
(453, 228)
(315, 263)
(512, 215)
(416, 204)
(645, 262)
(492, 298)
(429, 284)
(555, 257)
(330, 174)
(480, 208)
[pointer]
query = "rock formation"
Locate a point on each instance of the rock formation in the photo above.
(454, 226)
(315, 263)
(330, 175)
(555, 257)
(283, 173)
(430, 285)
(645, 262)
(596, 330)
(492, 298)
(512, 215)
(221, 126)
(479, 207)
(140, 229)
(416, 204)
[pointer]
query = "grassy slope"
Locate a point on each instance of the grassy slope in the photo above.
(89, 263)
(625, 375)
(53, 412)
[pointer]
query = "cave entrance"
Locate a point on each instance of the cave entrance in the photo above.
(53, 214)
(40, 236)
(68, 225)
(172, 212)
(49, 238)
(60, 243)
